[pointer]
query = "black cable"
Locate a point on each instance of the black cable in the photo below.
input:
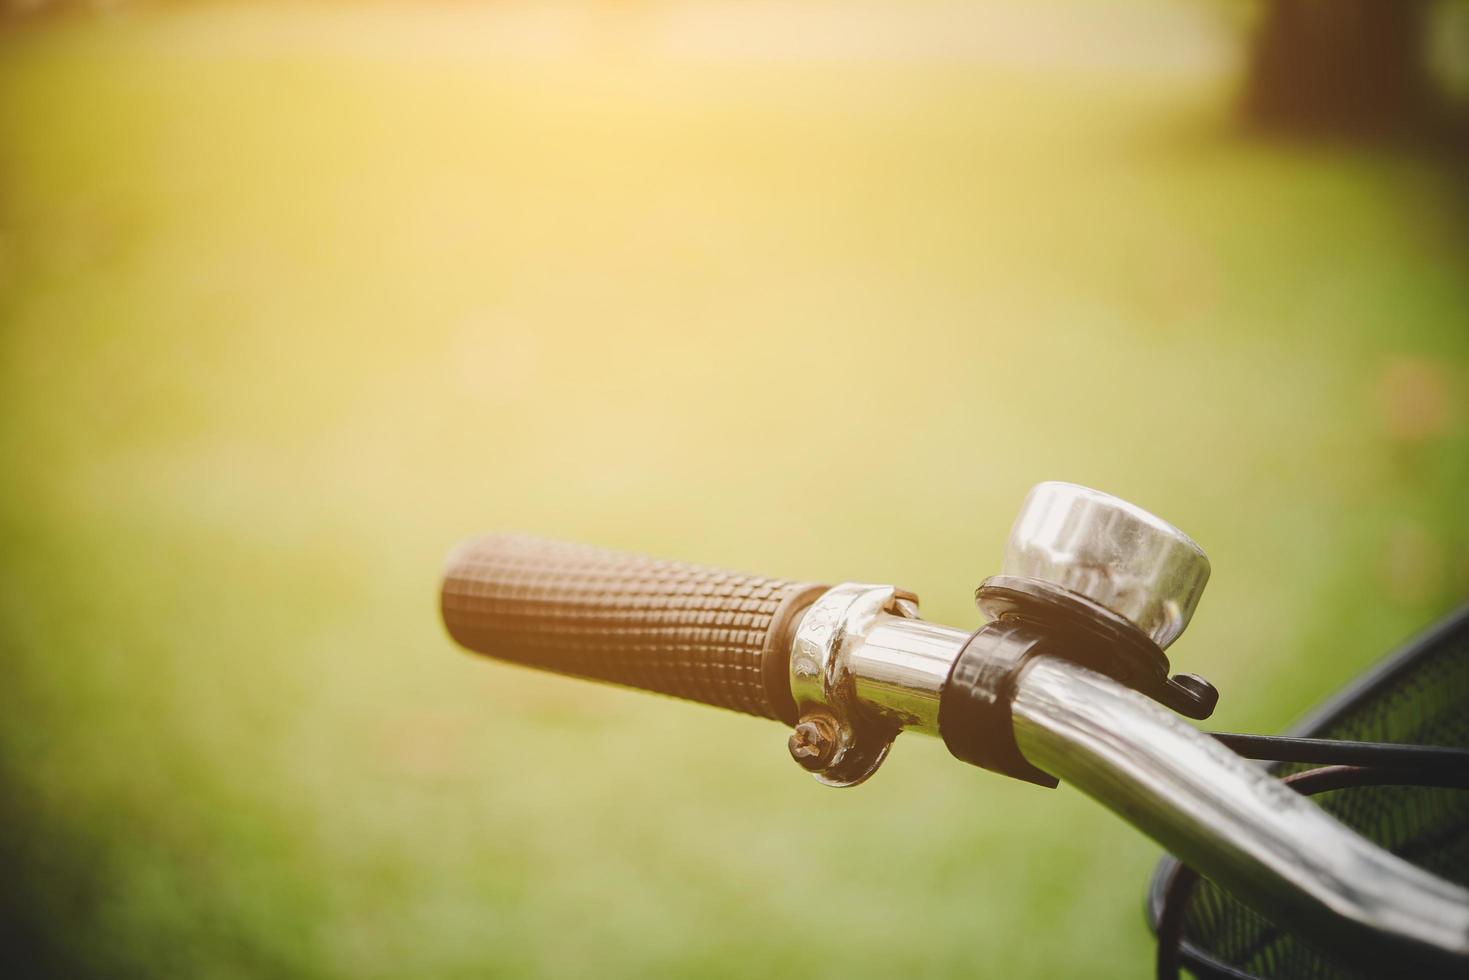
(1340, 752)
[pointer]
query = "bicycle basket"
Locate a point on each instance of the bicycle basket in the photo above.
(1418, 695)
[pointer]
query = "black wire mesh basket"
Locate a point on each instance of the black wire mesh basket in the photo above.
(1417, 696)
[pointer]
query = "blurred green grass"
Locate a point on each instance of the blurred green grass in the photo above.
(292, 299)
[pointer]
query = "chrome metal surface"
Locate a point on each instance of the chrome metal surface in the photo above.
(863, 664)
(1233, 822)
(1106, 550)
(899, 669)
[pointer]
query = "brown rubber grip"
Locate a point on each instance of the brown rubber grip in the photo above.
(691, 631)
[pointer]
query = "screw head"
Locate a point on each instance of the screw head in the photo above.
(813, 744)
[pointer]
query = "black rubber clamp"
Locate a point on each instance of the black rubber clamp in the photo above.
(974, 708)
(1030, 618)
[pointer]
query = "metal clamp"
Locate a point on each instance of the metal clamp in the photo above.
(835, 739)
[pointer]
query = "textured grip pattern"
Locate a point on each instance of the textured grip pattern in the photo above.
(690, 631)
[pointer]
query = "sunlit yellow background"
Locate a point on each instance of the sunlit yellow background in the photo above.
(293, 298)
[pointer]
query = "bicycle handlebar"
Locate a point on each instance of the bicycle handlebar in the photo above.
(1058, 686)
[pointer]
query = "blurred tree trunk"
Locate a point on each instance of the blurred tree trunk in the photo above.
(1340, 67)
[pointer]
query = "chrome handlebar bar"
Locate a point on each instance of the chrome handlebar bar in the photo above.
(1236, 824)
